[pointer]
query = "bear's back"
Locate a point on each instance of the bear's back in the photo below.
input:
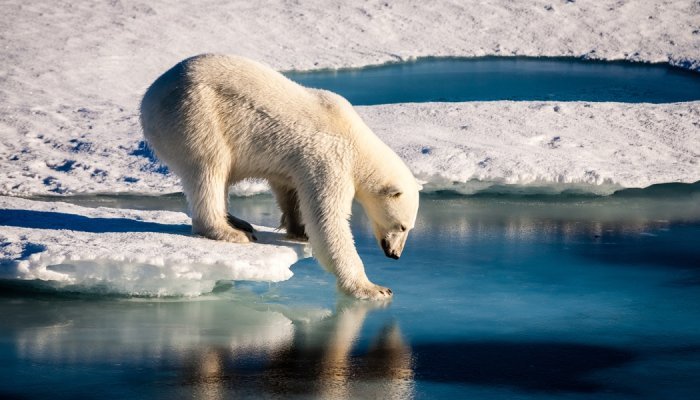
(258, 104)
(235, 77)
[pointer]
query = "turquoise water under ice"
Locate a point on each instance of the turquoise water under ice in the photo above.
(509, 297)
(508, 78)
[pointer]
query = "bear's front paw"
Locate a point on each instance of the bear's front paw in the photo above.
(369, 291)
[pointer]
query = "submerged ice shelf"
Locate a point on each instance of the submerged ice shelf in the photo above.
(130, 251)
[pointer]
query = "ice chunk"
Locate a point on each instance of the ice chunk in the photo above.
(130, 251)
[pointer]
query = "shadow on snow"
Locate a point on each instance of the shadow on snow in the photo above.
(57, 220)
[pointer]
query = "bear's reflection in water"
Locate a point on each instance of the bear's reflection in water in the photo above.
(318, 362)
(217, 349)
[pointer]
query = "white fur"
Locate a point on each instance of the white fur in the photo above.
(215, 120)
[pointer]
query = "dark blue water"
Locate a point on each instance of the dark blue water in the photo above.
(503, 78)
(495, 297)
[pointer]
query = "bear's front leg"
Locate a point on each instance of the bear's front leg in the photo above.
(345, 263)
(326, 213)
(207, 195)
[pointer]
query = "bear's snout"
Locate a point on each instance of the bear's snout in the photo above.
(388, 251)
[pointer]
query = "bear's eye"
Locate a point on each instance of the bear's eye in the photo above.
(403, 228)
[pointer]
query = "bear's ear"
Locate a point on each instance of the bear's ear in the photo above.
(390, 191)
(420, 185)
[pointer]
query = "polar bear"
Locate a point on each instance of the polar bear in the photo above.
(215, 120)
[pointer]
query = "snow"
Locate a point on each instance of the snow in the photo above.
(467, 147)
(130, 251)
(546, 146)
(72, 74)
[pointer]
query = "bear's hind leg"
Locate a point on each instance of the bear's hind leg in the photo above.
(207, 194)
(288, 201)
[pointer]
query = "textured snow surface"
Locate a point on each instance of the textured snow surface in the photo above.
(550, 146)
(589, 147)
(72, 74)
(130, 251)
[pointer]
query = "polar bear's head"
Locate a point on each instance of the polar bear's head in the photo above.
(392, 210)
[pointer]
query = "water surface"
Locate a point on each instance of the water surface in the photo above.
(535, 297)
(507, 78)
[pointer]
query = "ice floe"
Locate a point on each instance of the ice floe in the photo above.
(130, 251)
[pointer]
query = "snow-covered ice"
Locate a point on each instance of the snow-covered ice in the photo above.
(593, 147)
(590, 147)
(72, 74)
(130, 251)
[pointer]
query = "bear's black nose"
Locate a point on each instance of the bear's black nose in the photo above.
(387, 250)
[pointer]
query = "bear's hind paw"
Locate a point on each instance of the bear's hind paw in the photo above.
(297, 237)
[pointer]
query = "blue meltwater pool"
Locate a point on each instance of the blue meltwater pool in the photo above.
(495, 297)
(508, 78)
